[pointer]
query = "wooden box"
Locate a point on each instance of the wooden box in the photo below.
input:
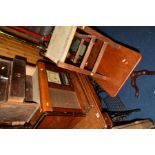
(13, 112)
(86, 51)
(17, 80)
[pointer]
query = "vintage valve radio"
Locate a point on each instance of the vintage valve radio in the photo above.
(68, 100)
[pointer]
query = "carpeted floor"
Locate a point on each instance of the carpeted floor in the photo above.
(143, 39)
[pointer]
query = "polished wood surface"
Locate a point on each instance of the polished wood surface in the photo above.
(93, 118)
(113, 61)
(98, 60)
(10, 47)
(90, 105)
(57, 122)
(116, 64)
(79, 70)
(72, 92)
(46, 103)
(90, 46)
(108, 62)
(94, 54)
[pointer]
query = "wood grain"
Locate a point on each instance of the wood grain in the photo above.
(18, 80)
(10, 47)
(117, 65)
(98, 35)
(78, 51)
(80, 70)
(56, 122)
(97, 63)
(94, 118)
(17, 112)
(46, 104)
(94, 54)
(90, 46)
(89, 103)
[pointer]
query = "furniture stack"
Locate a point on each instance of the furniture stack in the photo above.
(60, 88)
(16, 105)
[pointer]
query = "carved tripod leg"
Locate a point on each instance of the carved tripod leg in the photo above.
(134, 85)
(134, 77)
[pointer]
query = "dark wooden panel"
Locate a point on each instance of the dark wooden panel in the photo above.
(15, 113)
(64, 98)
(4, 79)
(116, 64)
(80, 93)
(29, 89)
(94, 54)
(17, 83)
(10, 47)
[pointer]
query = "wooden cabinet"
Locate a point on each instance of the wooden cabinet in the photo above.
(68, 100)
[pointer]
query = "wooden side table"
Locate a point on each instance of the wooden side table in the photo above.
(108, 62)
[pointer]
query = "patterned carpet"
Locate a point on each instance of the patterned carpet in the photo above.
(143, 39)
